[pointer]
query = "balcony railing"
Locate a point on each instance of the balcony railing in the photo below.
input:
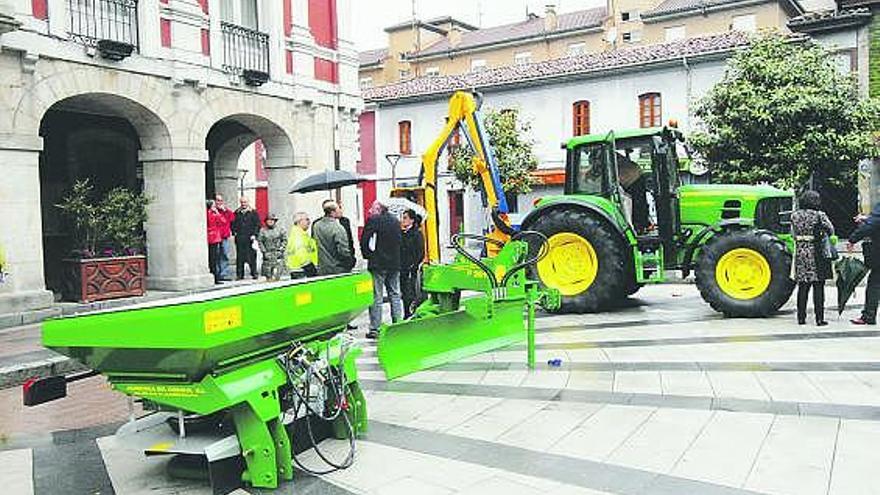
(106, 24)
(246, 52)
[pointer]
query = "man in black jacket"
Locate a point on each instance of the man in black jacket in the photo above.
(869, 231)
(380, 245)
(246, 228)
(412, 252)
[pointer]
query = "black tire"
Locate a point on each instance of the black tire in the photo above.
(774, 252)
(611, 286)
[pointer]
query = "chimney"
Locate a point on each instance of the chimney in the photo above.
(551, 21)
(454, 36)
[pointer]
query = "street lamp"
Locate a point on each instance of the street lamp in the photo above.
(242, 173)
(393, 158)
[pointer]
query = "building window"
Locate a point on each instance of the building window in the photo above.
(92, 21)
(401, 57)
(522, 58)
(366, 82)
(576, 49)
(478, 64)
(650, 111)
(240, 12)
(581, 117)
(403, 74)
(632, 37)
(432, 71)
(632, 15)
(404, 137)
(745, 23)
(675, 33)
(322, 22)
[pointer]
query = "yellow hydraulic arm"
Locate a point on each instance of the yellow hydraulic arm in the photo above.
(464, 115)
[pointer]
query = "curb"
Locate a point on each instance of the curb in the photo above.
(13, 376)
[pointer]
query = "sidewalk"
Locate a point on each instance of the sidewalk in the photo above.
(22, 355)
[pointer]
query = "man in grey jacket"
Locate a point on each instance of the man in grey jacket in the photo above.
(334, 254)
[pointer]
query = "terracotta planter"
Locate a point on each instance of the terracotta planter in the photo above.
(97, 279)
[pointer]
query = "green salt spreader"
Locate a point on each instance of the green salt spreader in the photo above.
(241, 378)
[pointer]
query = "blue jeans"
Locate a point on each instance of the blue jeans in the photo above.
(224, 259)
(385, 281)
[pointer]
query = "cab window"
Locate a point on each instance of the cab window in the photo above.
(591, 161)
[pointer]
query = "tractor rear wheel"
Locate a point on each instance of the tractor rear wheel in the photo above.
(744, 273)
(586, 261)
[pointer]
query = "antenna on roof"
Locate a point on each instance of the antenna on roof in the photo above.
(479, 13)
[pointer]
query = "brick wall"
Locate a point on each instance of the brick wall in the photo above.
(874, 57)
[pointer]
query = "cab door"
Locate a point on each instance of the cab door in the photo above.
(664, 165)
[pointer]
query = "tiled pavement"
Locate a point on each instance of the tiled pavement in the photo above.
(660, 398)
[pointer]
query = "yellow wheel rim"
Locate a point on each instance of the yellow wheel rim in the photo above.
(571, 264)
(743, 273)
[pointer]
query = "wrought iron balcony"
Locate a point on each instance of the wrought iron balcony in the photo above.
(109, 25)
(246, 52)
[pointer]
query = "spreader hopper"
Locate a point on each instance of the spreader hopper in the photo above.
(186, 338)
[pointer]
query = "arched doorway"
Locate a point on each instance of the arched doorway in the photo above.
(94, 136)
(242, 149)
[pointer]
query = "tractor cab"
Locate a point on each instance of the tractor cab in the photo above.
(636, 172)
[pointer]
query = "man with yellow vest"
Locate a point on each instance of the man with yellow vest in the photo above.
(302, 250)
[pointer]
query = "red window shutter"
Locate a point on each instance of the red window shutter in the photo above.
(204, 5)
(289, 61)
(40, 9)
(165, 32)
(206, 42)
(322, 22)
(326, 70)
(288, 18)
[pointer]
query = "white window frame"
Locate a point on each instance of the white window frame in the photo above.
(237, 15)
(746, 23)
(478, 64)
(575, 49)
(675, 33)
(366, 82)
(522, 58)
(432, 71)
(404, 74)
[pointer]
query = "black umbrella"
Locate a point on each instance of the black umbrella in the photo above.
(850, 272)
(326, 180)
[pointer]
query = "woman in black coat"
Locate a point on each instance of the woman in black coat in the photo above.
(811, 225)
(412, 252)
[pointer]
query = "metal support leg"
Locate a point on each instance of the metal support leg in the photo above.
(257, 447)
(531, 297)
(283, 456)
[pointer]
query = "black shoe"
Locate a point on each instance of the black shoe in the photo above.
(372, 335)
(821, 323)
(351, 326)
(802, 322)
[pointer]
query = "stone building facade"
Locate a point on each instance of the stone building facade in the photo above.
(204, 80)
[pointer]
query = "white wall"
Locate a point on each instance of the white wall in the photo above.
(613, 105)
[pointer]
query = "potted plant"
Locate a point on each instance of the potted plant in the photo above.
(107, 260)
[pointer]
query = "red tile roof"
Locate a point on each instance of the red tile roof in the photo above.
(563, 67)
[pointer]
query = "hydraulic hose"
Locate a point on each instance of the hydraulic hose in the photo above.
(542, 252)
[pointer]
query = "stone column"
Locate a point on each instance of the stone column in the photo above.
(23, 286)
(177, 246)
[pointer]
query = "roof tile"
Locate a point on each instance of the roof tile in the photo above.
(582, 64)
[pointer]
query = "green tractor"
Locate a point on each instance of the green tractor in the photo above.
(625, 221)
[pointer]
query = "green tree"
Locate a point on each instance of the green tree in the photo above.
(782, 112)
(513, 147)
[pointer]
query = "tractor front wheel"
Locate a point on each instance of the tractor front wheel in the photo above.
(586, 261)
(744, 273)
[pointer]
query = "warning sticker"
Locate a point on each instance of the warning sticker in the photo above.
(220, 320)
(364, 287)
(303, 298)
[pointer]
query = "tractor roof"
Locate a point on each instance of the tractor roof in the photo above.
(621, 134)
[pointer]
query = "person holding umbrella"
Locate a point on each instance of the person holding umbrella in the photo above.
(868, 230)
(811, 225)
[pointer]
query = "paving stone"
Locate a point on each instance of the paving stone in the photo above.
(661, 440)
(856, 459)
(725, 450)
(601, 434)
(17, 473)
(796, 456)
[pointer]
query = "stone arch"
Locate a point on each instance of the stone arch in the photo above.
(125, 95)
